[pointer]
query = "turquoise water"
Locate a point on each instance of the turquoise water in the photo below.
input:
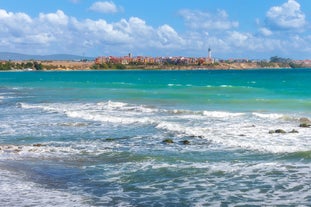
(95, 138)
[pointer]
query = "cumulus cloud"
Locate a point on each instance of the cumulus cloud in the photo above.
(104, 7)
(265, 31)
(288, 16)
(208, 21)
(58, 18)
(58, 33)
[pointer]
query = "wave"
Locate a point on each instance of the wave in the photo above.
(269, 115)
(225, 86)
(300, 155)
(174, 85)
(53, 150)
(16, 191)
(221, 114)
(228, 129)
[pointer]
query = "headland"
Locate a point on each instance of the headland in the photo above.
(151, 63)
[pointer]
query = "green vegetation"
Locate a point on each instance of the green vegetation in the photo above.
(108, 66)
(285, 62)
(264, 64)
(9, 65)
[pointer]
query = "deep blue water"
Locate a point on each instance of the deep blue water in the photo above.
(95, 138)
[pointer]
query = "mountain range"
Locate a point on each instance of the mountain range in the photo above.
(18, 56)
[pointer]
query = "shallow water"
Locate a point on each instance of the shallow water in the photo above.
(96, 138)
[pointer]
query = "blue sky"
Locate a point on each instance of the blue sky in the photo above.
(255, 29)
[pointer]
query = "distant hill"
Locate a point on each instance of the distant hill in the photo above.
(18, 56)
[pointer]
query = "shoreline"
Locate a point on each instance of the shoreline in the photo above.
(89, 66)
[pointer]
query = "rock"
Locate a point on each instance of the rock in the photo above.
(280, 131)
(305, 122)
(305, 125)
(110, 139)
(277, 131)
(293, 131)
(185, 142)
(168, 141)
(38, 145)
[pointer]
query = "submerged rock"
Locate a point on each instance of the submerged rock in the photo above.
(305, 122)
(168, 141)
(271, 131)
(277, 131)
(305, 125)
(38, 145)
(280, 131)
(185, 142)
(293, 131)
(109, 139)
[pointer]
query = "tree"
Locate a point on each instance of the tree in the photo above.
(29, 65)
(38, 66)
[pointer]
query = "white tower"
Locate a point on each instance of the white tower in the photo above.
(209, 53)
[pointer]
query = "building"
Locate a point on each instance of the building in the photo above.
(209, 53)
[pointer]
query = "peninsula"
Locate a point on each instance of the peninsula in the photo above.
(153, 63)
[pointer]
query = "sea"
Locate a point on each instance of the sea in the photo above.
(155, 138)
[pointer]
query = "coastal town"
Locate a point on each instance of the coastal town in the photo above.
(148, 62)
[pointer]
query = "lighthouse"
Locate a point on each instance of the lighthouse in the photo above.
(209, 58)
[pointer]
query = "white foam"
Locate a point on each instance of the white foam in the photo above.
(230, 180)
(226, 86)
(112, 112)
(67, 151)
(174, 85)
(181, 129)
(221, 114)
(269, 115)
(17, 192)
(228, 129)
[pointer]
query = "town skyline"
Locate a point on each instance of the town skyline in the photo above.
(256, 29)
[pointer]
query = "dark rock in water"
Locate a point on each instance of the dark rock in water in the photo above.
(277, 131)
(280, 131)
(194, 136)
(185, 142)
(110, 139)
(38, 145)
(305, 122)
(293, 131)
(305, 125)
(168, 141)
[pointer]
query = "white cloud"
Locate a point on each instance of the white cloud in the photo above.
(58, 33)
(265, 31)
(104, 7)
(169, 37)
(287, 16)
(208, 21)
(58, 18)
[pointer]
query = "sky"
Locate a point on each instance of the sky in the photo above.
(252, 29)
